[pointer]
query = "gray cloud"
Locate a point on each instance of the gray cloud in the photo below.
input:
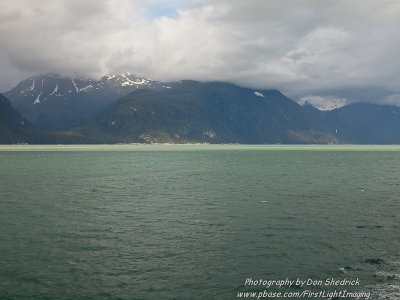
(309, 49)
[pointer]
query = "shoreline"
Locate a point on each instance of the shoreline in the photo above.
(197, 146)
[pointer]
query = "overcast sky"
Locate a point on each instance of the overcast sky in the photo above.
(322, 51)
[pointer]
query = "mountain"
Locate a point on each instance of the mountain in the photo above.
(13, 127)
(125, 108)
(212, 112)
(362, 123)
(53, 102)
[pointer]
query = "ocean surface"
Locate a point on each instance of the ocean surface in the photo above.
(199, 221)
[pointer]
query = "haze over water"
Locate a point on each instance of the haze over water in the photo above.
(195, 221)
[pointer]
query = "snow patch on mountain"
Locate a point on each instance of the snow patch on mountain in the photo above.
(129, 82)
(323, 102)
(76, 88)
(40, 88)
(32, 86)
(55, 90)
(37, 100)
(86, 88)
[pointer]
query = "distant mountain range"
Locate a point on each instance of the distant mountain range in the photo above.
(128, 109)
(361, 123)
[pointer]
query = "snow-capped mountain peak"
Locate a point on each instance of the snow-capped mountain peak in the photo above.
(71, 98)
(42, 88)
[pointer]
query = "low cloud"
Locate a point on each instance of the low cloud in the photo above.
(333, 49)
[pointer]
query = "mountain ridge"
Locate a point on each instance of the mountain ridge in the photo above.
(68, 110)
(211, 112)
(362, 123)
(13, 127)
(51, 101)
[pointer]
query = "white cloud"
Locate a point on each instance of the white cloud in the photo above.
(393, 99)
(332, 48)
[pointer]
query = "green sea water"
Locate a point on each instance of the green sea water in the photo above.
(197, 221)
